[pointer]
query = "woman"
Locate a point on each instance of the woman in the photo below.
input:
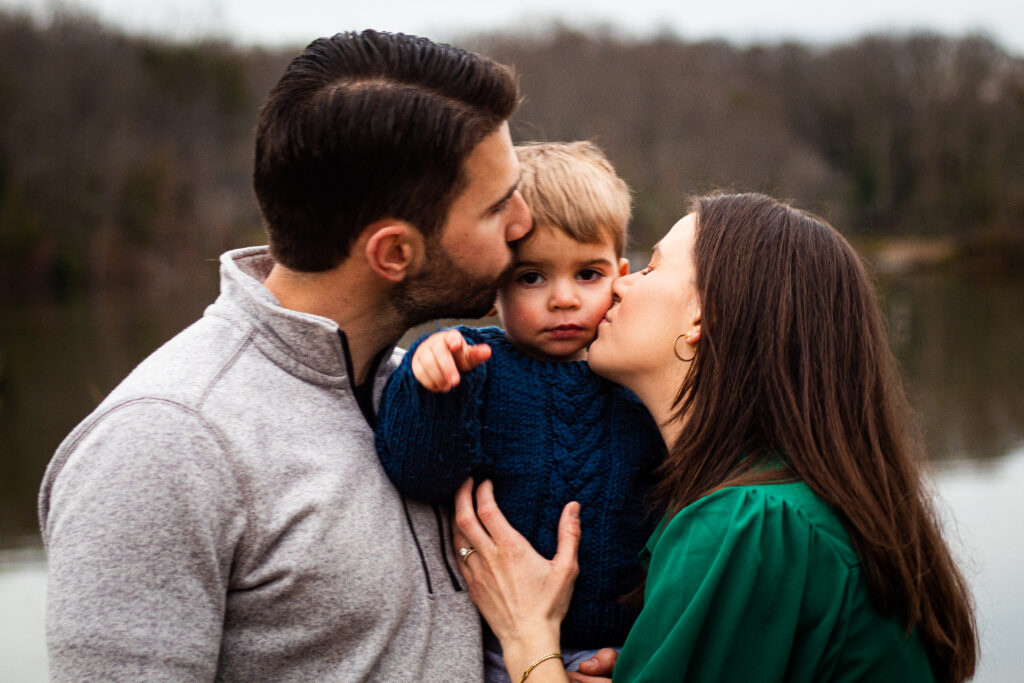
(799, 543)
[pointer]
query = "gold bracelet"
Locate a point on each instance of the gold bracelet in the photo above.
(542, 659)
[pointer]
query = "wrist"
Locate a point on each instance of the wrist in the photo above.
(520, 653)
(555, 671)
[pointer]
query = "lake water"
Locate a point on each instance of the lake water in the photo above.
(960, 345)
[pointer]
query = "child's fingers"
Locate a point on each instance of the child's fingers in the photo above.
(473, 356)
(445, 364)
(426, 372)
(465, 356)
(433, 365)
(425, 367)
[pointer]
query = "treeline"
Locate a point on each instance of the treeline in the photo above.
(127, 158)
(894, 135)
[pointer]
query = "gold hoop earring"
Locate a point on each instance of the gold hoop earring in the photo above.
(675, 350)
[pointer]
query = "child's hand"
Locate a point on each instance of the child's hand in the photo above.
(440, 360)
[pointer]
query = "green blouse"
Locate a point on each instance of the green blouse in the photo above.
(760, 583)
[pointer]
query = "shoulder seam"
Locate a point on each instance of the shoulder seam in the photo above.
(813, 527)
(243, 344)
(66, 450)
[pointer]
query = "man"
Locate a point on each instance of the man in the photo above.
(222, 514)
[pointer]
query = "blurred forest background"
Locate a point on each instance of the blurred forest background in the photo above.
(127, 159)
(125, 165)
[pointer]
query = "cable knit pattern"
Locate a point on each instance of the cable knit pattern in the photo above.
(545, 433)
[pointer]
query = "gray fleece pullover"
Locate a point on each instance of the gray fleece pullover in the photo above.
(223, 515)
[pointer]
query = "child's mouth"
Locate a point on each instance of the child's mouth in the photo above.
(564, 331)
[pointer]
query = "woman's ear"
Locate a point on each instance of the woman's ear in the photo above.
(693, 334)
(393, 248)
(623, 267)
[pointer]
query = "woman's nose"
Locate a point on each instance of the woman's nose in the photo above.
(622, 285)
(519, 219)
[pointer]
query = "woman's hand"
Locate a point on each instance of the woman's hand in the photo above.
(523, 596)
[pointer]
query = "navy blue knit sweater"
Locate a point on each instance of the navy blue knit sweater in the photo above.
(546, 433)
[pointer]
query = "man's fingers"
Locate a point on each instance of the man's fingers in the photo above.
(601, 664)
(577, 677)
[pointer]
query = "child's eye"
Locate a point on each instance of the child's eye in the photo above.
(530, 277)
(589, 275)
(647, 270)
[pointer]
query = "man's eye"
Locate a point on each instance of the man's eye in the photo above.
(589, 275)
(530, 278)
(500, 207)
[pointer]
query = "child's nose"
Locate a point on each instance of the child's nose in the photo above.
(564, 295)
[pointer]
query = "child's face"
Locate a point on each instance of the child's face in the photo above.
(557, 294)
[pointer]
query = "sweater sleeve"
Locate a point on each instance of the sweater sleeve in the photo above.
(429, 443)
(727, 596)
(141, 515)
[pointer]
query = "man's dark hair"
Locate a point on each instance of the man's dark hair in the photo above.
(369, 125)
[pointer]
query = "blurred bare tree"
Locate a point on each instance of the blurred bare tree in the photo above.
(121, 158)
(127, 159)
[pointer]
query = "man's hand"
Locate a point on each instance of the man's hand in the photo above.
(440, 360)
(596, 669)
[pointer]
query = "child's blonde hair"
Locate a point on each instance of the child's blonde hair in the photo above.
(573, 187)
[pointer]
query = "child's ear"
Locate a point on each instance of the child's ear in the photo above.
(496, 310)
(493, 312)
(623, 267)
(393, 248)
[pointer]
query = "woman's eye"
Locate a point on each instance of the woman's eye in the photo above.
(589, 275)
(530, 278)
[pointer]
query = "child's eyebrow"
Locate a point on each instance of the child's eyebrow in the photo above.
(578, 264)
(595, 262)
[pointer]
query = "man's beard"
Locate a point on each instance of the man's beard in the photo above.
(444, 290)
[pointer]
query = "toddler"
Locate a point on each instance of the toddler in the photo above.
(521, 407)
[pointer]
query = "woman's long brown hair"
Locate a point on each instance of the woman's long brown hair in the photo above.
(793, 358)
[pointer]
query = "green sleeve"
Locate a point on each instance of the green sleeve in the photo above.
(728, 596)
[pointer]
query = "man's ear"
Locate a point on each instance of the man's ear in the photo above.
(393, 248)
(623, 267)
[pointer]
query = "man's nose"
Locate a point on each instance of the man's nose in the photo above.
(519, 220)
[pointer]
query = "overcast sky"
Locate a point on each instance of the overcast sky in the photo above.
(276, 22)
